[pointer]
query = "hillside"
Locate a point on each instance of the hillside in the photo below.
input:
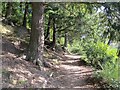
(68, 72)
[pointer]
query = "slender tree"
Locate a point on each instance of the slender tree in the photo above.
(54, 32)
(66, 39)
(36, 44)
(25, 15)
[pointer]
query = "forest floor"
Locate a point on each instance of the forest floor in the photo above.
(67, 72)
(73, 73)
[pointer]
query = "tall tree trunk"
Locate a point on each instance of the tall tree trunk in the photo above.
(54, 32)
(8, 10)
(25, 15)
(110, 38)
(66, 39)
(36, 44)
(119, 53)
(47, 37)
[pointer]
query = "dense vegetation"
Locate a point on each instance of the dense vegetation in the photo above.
(91, 30)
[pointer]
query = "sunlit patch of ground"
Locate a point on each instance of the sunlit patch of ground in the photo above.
(73, 56)
(6, 29)
(72, 75)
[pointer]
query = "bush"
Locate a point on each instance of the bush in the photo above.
(104, 57)
(99, 53)
(76, 48)
(101, 56)
(110, 74)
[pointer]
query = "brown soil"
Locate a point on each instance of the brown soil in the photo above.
(69, 73)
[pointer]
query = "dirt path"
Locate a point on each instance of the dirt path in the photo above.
(70, 73)
(73, 74)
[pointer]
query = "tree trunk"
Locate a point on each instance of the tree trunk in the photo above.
(25, 15)
(66, 39)
(8, 10)
(110, 38)
(36, 44)
(54, 33)
(47, 37)
(119, 53)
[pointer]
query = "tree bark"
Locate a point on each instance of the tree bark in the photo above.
(36, 44)
(25, 15)
(66, 39)
(119, 53)
(110, 38)
(54, 32)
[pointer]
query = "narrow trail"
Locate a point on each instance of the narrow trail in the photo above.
(70, 73)
(73, 74)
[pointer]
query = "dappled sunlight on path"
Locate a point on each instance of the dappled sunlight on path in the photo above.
(72, 74)
(73, 56)
(67, 72)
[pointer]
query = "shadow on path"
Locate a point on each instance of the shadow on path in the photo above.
(73, 73)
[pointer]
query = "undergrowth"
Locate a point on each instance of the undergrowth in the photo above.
(104, 58)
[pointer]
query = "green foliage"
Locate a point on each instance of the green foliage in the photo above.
(110, 73)
(76, 48)
(61, 40)
(99, 53)
(3, 6)
(103, 56)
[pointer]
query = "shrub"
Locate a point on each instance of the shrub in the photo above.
(103, 56)
(99, 53)
(76, 48)
(110, 74)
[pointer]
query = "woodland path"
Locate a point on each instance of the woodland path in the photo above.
(73, 73)
(70, 73)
